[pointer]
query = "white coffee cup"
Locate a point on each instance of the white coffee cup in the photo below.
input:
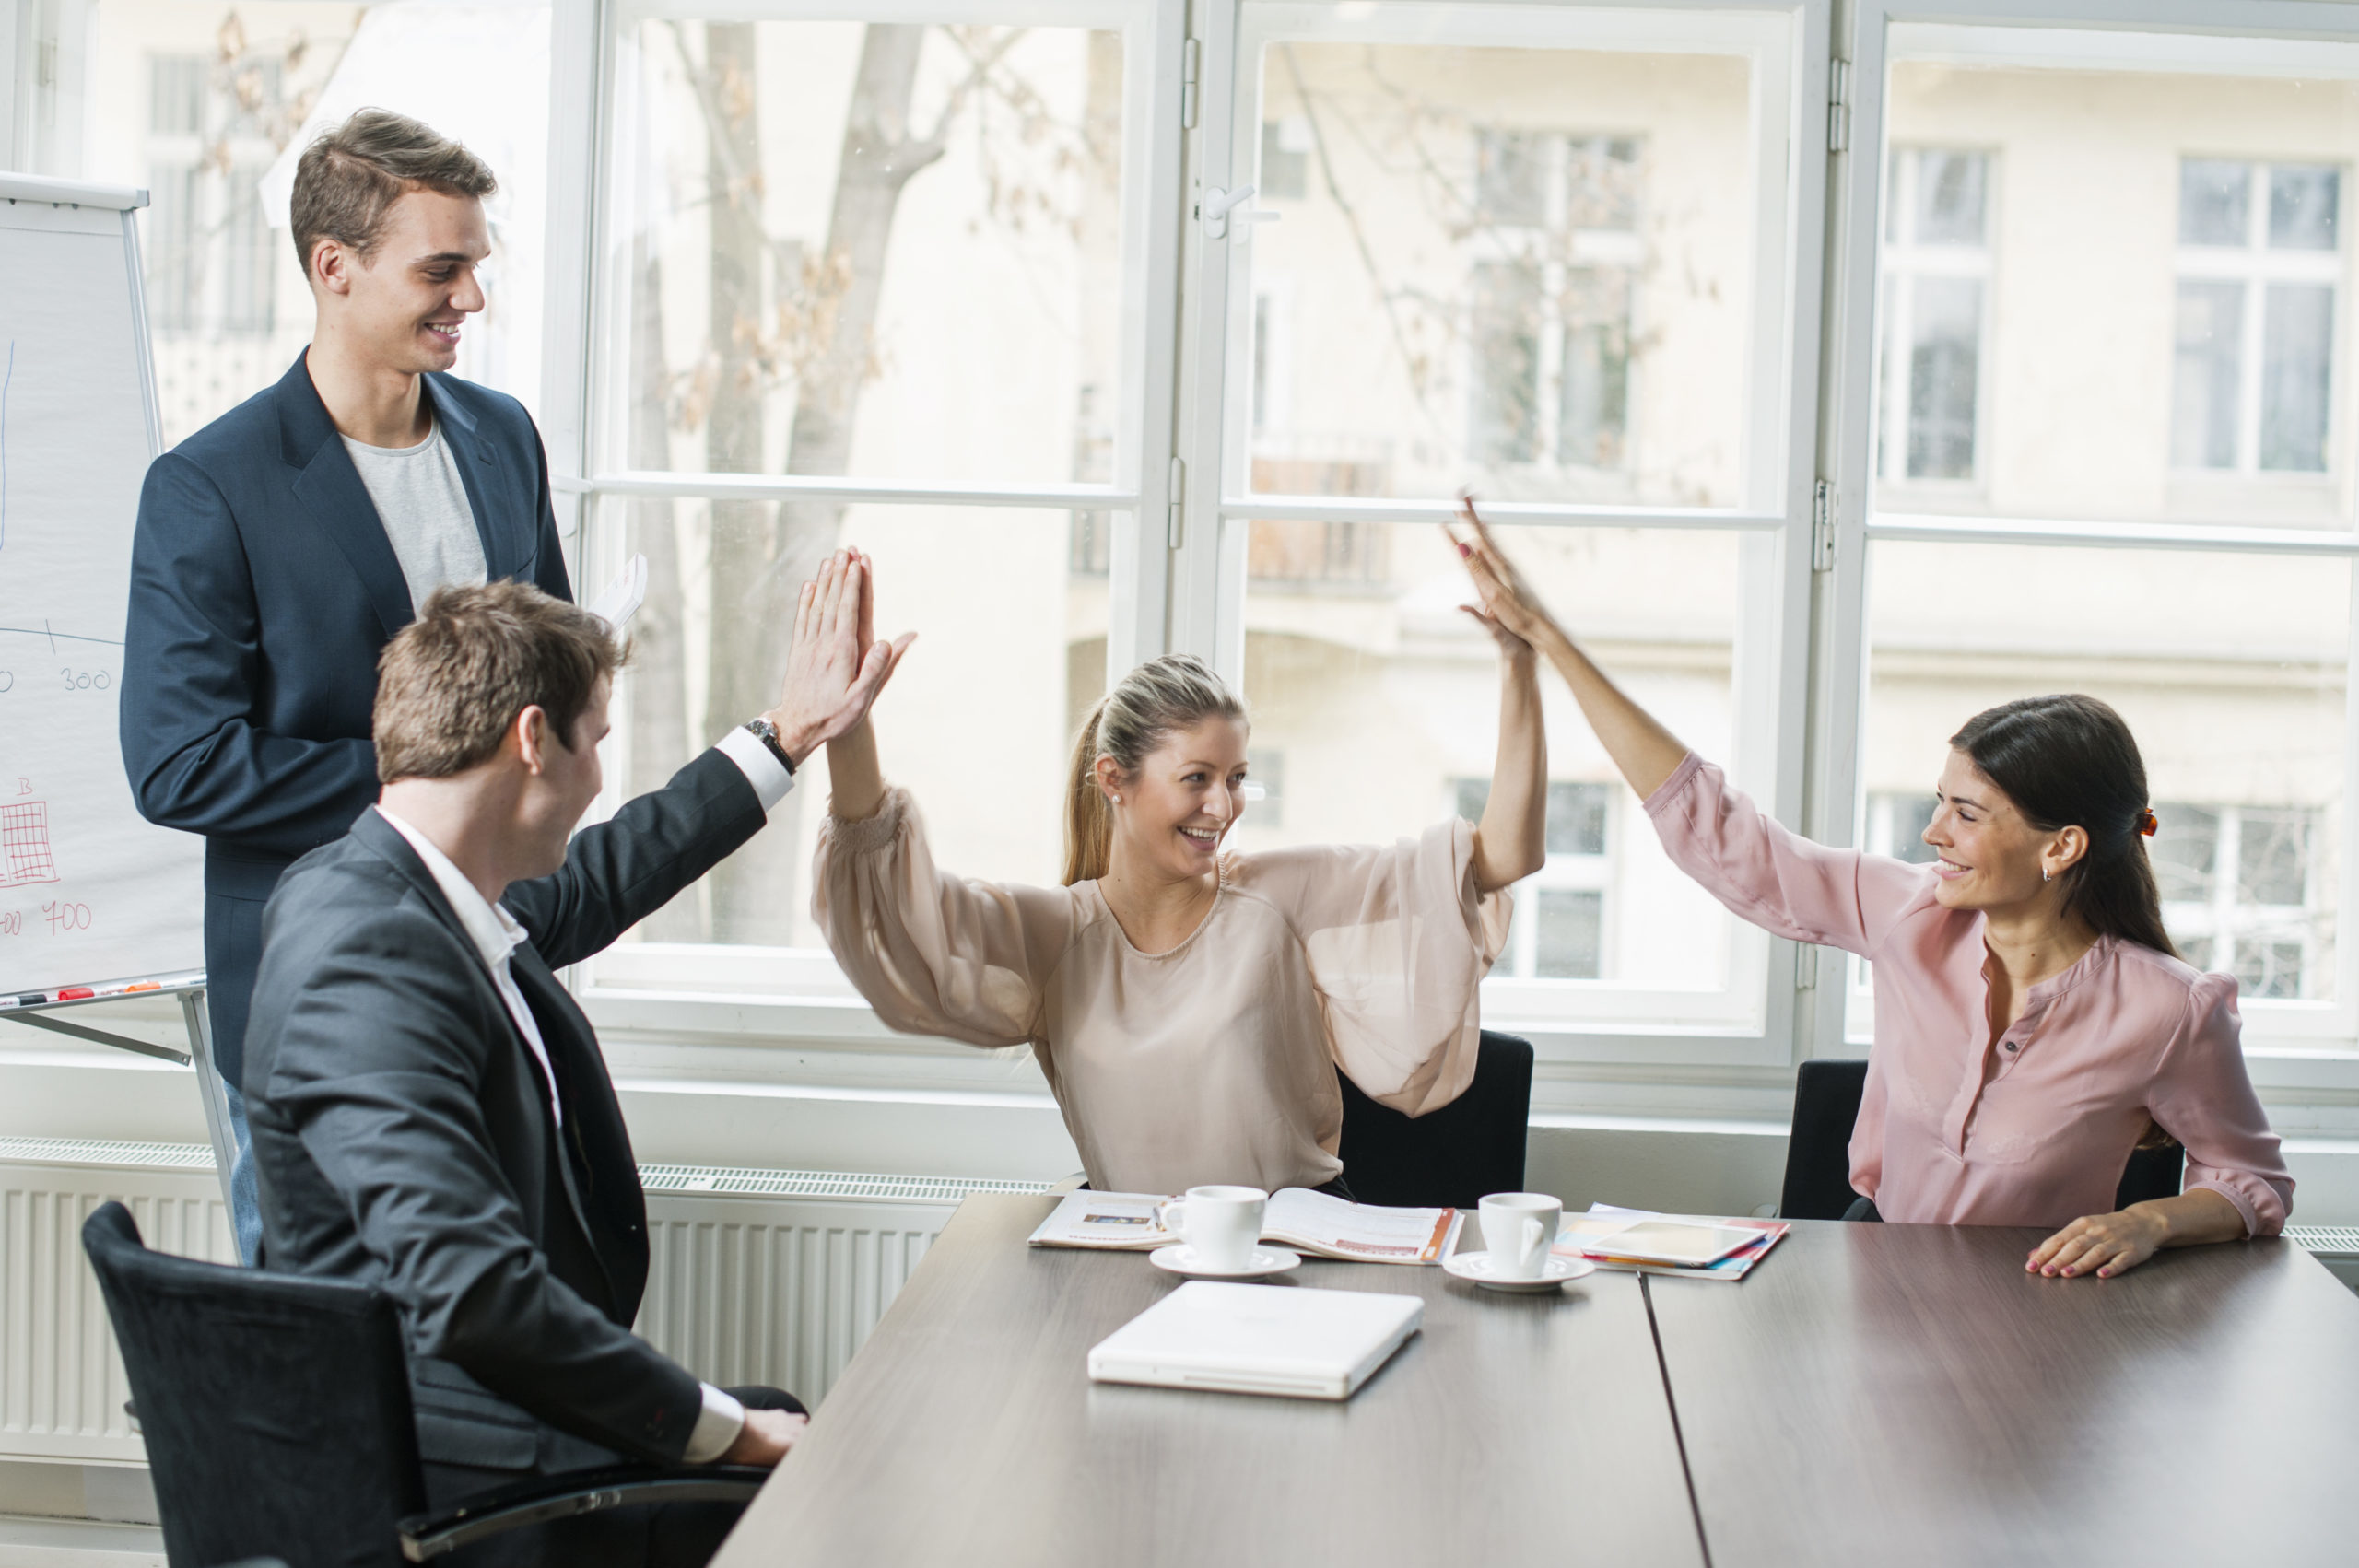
(1220, 1222)
(1519, 1228)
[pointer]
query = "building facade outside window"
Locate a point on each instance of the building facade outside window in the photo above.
(1559, 931)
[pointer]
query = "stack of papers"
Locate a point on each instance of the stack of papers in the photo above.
(1691, 1246)
(1297, 1217)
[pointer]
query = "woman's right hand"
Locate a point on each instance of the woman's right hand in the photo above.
(1508, 600)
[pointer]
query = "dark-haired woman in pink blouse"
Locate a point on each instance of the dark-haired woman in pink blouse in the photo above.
(2033, 1021)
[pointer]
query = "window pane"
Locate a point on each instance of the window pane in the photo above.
(1944, 371)
(888, 250)
(2209, 374)
(1595, 395)
(1949, 198)
(1506, 375)
(1571, 931)
(1536, 272)
(2214, 203)
(2298, 337)
(2228, 669)
(1511, 178)
(2185, 847)
(1896, 824)
(1576, 818)
(2273, 854)
(2301, 200)
(1285, 162)
(2127, 296)
(1329, 664)
(978, 723)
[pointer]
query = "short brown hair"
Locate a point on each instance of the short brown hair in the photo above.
(349, 178)
(454, 679)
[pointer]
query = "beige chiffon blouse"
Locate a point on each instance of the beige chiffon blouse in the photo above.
(1213, 1061)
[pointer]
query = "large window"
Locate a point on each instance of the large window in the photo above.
(877, 283)
(2160, 513)
(976, 286)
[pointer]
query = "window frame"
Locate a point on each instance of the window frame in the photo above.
(2290, 1047)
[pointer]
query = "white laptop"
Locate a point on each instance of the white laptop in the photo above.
(1283, 1339)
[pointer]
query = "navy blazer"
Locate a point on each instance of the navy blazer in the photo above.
(262, 589)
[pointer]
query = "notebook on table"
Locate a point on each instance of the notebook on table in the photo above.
(1297, 1343)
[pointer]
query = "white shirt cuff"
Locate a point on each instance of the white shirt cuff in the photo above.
(763, 771)
(722, 1417)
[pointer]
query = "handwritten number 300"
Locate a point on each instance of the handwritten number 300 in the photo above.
(86, 680)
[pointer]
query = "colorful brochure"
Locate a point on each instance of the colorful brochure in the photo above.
(1591, 1236)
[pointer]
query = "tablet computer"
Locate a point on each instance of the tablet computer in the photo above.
(1670, 1241)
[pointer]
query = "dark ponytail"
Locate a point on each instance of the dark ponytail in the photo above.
(2069, 762)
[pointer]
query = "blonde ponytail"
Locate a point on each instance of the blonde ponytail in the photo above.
(1089, 822)
(1175, 691)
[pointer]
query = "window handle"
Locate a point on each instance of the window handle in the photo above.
(1218, 208)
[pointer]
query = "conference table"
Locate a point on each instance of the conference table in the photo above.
(1871, 1393)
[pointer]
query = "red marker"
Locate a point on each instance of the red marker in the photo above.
(76, 993)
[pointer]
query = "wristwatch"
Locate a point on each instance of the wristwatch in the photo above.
(765, 732)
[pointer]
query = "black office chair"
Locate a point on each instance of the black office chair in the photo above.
(276, 1413)
(1818, 1152)
(1452, 1157)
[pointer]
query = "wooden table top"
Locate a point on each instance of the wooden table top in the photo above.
(966, 1432)
(1875, 1394)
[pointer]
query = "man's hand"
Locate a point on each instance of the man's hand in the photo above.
(833, 672)
(766, 1437)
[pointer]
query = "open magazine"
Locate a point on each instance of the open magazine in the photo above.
(1311, 1221)
(1591, 1236)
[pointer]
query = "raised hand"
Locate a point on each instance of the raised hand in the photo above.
(834, 667)
(1509, 609)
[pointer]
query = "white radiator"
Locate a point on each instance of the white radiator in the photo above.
(770, 1277)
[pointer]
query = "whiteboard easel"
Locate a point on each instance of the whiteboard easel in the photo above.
(89, 892)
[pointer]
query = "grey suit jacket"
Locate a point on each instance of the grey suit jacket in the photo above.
(402, 1136)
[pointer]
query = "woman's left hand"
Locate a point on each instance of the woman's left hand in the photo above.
(2102, 1244)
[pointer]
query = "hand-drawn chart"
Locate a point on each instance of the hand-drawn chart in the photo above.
(25, 855)
(89, 892)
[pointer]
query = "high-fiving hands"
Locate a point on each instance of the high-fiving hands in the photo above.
(1509, 610)
(837, 664)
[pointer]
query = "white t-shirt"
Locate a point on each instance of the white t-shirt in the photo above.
(423, 504)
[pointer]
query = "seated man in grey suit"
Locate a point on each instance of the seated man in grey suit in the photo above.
(429, 1108)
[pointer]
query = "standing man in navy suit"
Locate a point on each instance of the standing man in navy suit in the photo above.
(281, 547)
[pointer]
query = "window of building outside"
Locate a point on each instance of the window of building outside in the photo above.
(1559, 930)
(2160, 353)
(207, 106)
(1556, 228)
(1936, 271)
(2259, 264)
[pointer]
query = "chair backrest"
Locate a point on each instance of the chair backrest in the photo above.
(1818, 1152)
(275, 1407)
(1453, 1157)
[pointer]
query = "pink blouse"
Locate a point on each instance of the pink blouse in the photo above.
(1956, 1129)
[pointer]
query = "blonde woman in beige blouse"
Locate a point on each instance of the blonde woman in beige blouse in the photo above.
(1190, 1006)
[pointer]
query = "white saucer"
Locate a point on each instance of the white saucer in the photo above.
(1181, 1260)
(1476, 1266)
